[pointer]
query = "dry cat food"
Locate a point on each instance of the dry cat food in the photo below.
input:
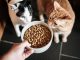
(37, 35)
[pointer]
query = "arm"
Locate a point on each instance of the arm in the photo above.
(18, 52)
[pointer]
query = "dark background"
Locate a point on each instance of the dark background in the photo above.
(61, 51)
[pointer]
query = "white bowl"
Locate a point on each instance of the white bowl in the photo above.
(44, 48)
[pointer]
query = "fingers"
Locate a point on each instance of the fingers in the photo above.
(28, 53)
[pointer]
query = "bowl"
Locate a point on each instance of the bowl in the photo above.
(43, 48)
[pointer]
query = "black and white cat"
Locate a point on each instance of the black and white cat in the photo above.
(23, 11)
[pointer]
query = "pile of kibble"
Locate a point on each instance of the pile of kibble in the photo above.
(37, 35)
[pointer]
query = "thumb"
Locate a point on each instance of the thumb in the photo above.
(25, 44)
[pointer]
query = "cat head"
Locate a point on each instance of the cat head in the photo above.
(59, 16)
(23, 10)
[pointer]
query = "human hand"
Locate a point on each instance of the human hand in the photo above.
(19, 52)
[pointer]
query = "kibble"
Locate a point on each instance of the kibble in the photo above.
(37, 35)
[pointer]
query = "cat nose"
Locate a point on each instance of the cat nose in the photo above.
(19, 14)
(50, 23)
(23, 17)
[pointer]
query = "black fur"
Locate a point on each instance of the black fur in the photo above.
(23, 4)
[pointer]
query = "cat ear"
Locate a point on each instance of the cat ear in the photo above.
(56, 5)
(17, 4)
(12, 6)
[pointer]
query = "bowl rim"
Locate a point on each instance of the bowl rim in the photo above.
(35, 23)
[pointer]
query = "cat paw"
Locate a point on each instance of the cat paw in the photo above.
(64, 40)
(41, 18)
(56, 41)
(18, 35)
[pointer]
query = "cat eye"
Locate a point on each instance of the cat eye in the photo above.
(55, 23)
(64, 17)
(15, 5)
(50, 18)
